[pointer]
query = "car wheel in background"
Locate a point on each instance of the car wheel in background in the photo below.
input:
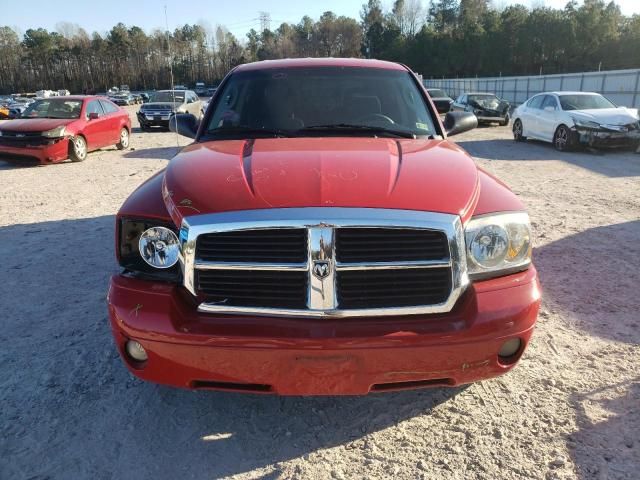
(78, 149)
(563, 139)
(505, 122)
(517, 131)
(124, 139)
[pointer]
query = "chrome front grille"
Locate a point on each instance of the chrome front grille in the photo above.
(324, 262)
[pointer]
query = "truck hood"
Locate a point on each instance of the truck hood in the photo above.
(607, 116)
(34, 124)
(221, 176)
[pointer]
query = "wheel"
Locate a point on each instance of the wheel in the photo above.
(124, 139)
(505, 122)
(517, 131)
(78, 149)
(563, 139)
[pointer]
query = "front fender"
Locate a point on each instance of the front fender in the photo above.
(146, 201)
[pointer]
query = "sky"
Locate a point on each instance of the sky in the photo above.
(239, 16)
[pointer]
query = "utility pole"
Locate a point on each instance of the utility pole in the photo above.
(265, 21)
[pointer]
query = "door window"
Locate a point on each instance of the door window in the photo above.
(108, 106)
(536, 102)
(94, 107)
(549, 101)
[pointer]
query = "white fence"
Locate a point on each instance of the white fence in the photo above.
(622, 87)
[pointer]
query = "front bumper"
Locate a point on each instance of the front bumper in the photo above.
(55, 151)
(602, 138)
(491, 118)
(154, 119)
(321, 356)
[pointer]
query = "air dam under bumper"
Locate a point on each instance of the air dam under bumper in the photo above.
(302, 356)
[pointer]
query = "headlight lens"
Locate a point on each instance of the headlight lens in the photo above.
(55, 132)
(159, 247)
(585, 123)
(130, 256)
(498, 244)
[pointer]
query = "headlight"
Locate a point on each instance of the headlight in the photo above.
(159, 247)
(149, 248)
(585, 123)
(55, 132)
(498, 244)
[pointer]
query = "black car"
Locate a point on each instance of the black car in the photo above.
(123, 99)
(487, 107)
(440, 99)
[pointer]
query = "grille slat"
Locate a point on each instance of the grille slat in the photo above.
(389, 244)
(254, 288)
(277, 246)
(388, 288)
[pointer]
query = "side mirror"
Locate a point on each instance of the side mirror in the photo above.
(549, 109)
(459, 122)
(443, 106)
(94, 116)
(184, 124)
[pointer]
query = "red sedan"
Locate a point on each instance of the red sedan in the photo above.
(54, 129)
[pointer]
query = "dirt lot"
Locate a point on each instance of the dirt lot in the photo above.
(70, 410)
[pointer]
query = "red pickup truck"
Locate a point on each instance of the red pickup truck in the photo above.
(321, 236)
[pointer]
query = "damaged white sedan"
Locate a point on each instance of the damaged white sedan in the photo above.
(570, 119)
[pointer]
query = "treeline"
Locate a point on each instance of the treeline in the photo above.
(438, 38)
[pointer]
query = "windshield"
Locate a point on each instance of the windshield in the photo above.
(168, 97)
(52, 108)
(320, 101)
(435, 93)
(485, 101)
(584, 102)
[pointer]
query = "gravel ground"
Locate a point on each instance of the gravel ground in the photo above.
(70, 410)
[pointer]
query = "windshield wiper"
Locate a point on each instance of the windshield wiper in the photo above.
(240, 130)
(345, 127)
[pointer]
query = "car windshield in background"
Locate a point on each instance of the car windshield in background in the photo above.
(320, 101)
(490, 102)
(584, 102)
(54, 108)
(167, 97)
(437, 93)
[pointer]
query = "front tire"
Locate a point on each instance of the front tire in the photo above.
(518, 129)
(505, 122)
(78, 149)
(124, 139)
(564, 139)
